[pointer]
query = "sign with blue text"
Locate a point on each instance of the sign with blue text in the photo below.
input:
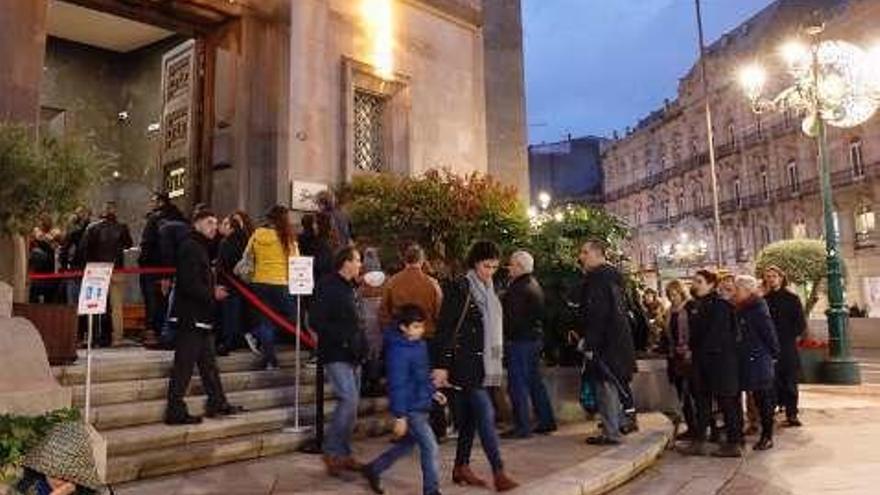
(95, 289)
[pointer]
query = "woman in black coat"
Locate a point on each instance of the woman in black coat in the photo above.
(713, 343)
(468, 347)
(759, 348)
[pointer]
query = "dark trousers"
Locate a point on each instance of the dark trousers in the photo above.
(154, 301)
(194, 346)
(474, 414)
(787, 388)
(766, 402)
(231, 320)
(687, 401)
(731, 409)
(524, 384)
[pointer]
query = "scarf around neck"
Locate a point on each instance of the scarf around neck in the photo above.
(485, 298)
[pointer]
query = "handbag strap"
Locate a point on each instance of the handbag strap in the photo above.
(467, 303)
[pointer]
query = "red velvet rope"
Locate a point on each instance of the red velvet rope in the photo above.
(79, 273)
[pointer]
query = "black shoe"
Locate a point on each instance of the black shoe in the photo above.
(685, 436)
(545, 430)
(224, 410)
(185, 419)
(728, 450)
(602, 440)
(514, 435)
(222, 350)
(793, 422)
(372, 479)
(763, 444)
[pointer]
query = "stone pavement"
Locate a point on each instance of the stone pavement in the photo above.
(526, 460)
(835, 452)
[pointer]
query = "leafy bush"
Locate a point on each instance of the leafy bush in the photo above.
(48, 175)
(18, 434)
(802, 260)
(441, 211)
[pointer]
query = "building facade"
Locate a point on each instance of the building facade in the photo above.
(657, 176)
(569, 171)
(237, 103)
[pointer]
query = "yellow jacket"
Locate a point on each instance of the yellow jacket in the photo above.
(270, 262)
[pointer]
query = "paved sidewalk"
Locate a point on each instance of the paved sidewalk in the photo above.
(835, 452)
(526, 461)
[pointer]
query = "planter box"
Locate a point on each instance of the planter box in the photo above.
(57, 325)
(811, 364)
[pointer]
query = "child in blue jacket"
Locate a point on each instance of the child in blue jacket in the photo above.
(411, 394)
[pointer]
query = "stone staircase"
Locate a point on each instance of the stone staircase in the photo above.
(128, 403)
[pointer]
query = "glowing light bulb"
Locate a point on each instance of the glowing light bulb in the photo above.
(752, 78)
(379, 20)
(795, 53)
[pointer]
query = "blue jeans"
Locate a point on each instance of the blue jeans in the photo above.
(419, 433)
(346, 381)
(277, 297)
(524, 382)
(71, 289)
(230, 314)
(610, 408)
(474, 413)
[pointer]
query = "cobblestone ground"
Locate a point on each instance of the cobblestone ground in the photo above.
(835, 452)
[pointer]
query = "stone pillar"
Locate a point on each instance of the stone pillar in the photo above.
(505, 94)
(22, 46)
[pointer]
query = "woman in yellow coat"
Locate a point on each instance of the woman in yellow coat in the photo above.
(271, 245)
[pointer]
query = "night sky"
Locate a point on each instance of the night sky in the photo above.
(595, 66)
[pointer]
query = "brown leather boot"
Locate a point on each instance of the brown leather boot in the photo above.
(462, 475)
(351, 464)
(504, 483)
(335, 465)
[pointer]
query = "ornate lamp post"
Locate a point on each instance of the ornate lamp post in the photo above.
(833, 85)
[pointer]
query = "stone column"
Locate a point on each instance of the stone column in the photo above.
(505, 94)
(22, 46)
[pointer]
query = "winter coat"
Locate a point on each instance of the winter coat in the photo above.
(194, 288)
(524, 310)
(790, 322)
(71, 256)
(460, 351)
(151, 250)
(758, 348)
(605, 326)
(106, 240)
(231, 250)
(171, 234)
(713, 342)
(335, 316)
(408, 372)
(678, 358)
(270, 265)
(412, 286)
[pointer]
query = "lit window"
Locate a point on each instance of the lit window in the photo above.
(794, 181)
(369, 113)
(864, 224)
(855, 158)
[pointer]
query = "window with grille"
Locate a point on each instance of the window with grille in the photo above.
(765, 185)
(855, 158)
(864, 225)
(794, 181)
(369, 149)
(737, 193)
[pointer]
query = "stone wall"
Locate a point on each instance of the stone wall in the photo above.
(439, 58)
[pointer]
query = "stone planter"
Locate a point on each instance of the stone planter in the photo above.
(811, 364)
(57, 325)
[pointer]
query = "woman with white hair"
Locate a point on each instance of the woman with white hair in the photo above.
(758, 349)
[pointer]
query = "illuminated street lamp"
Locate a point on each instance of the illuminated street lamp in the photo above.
(835, 84)
(544, 199)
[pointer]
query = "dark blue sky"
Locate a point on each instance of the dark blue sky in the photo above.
(593, 66)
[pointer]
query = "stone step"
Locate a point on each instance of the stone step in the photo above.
(203, 454)
(155, 364)
(119, 392)
(126, 441)
(139, 413)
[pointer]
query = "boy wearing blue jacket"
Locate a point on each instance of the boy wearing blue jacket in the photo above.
(411, 394)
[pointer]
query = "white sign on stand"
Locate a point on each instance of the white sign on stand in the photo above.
(301, 282)
(93, 295)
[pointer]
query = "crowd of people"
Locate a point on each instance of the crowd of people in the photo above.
(442, 350)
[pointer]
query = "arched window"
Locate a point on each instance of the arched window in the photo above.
(794, 179)
(856, 160)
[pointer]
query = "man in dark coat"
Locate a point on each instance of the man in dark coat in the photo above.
(151, 256)
(758, 349)
(524, 335)
(790, 321)
(713, 343)
(341, 350)
(607, 336)
(106, 241)
(197, 294)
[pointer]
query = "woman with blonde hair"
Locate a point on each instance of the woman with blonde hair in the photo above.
(677, 334)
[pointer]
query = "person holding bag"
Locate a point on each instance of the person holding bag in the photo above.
(468, 348)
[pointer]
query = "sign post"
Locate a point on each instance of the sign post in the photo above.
(93, 301)
(301, 281)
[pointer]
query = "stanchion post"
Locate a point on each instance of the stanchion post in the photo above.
(89, 334)
(299, 330)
